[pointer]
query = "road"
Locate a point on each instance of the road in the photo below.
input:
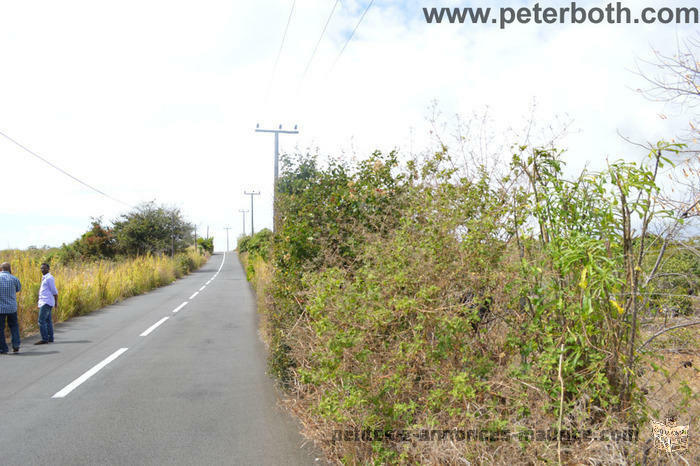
(138, 383)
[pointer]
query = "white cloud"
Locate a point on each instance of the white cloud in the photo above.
(158, 100)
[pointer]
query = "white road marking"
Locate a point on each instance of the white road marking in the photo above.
(95, 369)
(177, 309)
(153, 327)
(98, 367)
(222, 264)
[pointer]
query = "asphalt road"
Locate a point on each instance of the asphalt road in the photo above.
(114, 388)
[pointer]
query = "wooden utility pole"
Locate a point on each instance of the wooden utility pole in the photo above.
(227, 229)
(243, 211)
(251, 194)
(277, 133)
(172, 236)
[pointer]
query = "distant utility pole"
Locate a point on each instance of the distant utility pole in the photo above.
(227, 229)
(195, 237)
(251, 194)
(207, 231)
(277, 133)
(243, 211)
(172, 237)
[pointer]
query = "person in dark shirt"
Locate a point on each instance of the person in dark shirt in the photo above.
(9, 287)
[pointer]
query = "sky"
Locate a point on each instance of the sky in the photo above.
(158, 100)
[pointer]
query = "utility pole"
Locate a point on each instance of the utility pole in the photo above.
(243, 211)
(251, 194)
(207, 231)
(227, 229)
(277, 133)
(195, 237)
(172, 236)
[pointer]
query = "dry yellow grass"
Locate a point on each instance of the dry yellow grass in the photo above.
(259, 274)
(85, 287)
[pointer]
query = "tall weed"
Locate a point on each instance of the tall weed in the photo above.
(86, 286)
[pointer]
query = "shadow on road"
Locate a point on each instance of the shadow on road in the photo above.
(62, 342)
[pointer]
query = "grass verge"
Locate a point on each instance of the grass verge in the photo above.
(84, 287)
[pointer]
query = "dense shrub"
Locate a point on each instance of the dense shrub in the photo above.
(259, 243)
(410, 297)
(255, 248)
(185, 263)
(206, 244)
(97, 243)
(242, 243)
(147, 229)
(152, 229)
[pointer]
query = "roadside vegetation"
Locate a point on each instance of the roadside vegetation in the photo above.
(494, 292)
(148, 247)
(410, 296)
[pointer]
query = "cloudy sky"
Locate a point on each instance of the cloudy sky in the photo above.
(158, 100)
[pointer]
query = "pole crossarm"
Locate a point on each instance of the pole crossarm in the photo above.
(283, 131)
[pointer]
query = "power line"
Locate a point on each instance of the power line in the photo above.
(63, 171)
(353, 33)
(319, 42)
(279, 53)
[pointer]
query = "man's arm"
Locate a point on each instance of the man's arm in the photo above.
(54, 292)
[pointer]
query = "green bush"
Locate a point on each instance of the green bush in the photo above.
(97, 243)
(154, 229)
(242, 245)
(259, 243)
(256, 245)
(184, 263)
(207, 244)
(406, 297)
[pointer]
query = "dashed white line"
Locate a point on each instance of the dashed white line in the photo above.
(177, 309)
(153, 327)
(99, 366)
(95, 369)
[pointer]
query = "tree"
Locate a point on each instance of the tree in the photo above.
(97, 242)
(678, 75)
(153, 229)
(675, 79)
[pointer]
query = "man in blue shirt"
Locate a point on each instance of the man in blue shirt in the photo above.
(9, 287)
(48, 300)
